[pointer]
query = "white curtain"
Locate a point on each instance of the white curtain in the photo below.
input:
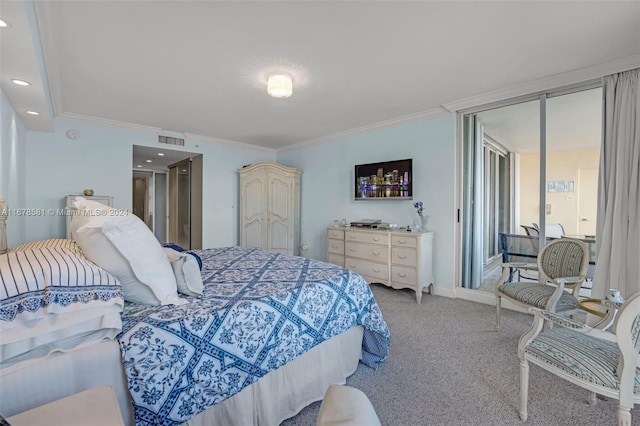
(618, 223)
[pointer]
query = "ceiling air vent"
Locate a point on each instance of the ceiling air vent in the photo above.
(171, 140)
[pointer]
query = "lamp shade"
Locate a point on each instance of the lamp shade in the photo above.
(279, 85)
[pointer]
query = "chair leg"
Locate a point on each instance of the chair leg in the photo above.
(624, 416)
(524, 388)
(498, 302)
(592, 399)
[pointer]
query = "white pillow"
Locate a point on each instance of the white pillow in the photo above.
(122, 244)
(187, 272)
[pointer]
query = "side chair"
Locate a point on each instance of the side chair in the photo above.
(599, 361)
(561, 264)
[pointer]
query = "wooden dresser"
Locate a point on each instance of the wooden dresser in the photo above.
(398, 259)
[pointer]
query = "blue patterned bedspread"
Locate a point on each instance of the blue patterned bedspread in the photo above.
(259, 311)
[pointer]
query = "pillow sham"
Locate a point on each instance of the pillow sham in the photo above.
(122, 244)
(53, 298)
(52, 243)
(187, 272)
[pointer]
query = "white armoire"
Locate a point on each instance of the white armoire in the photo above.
(270, 207)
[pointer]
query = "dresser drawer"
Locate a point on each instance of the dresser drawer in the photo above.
(337, 234)
(367, 237)
(404, 275)
(335, 246)
(367, 251)
(370, 269)
(403, 256)
(404, 241)
(335, 259)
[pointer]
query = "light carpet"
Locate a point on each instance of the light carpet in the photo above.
(448, 366)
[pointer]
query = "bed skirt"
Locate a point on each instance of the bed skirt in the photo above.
(282, 393)
(277, 396)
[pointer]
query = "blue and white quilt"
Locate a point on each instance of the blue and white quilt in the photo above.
(259, 311)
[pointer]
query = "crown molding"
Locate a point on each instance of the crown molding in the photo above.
(547, 83)
(229, 142)
(430, 113)
(108, 122)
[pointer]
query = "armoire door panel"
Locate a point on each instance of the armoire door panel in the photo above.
(254, 234)
(279, 237)
(280, 200)
(254, 199)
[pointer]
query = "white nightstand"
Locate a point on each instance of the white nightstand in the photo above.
(96, 407)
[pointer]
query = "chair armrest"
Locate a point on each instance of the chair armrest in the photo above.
(573, 324)
(558, 319)
(571, 280)
(521, 265)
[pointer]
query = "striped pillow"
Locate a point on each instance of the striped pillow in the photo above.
(50, 243)
(53, 299)
(49, 280)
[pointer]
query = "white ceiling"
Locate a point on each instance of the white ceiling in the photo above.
(200, 67)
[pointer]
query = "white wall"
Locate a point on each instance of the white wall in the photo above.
(101, 159)
(12, 169)
(327, 184)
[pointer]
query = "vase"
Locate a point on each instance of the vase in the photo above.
(422, 223)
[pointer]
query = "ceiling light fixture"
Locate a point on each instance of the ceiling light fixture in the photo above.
(161, 154)
(33, 112)
(279, 85)
(148, 161)
(20, 82)
(3, 24)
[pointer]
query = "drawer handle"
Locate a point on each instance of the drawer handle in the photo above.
(352, 236)
(376, 270)
(376, 238)
(334, 246)
(402, 274)
(375, 252)
(402, 256)
(351, 249)
(352, 265)
(402, 241)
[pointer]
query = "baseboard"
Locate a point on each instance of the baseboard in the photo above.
(478, 296)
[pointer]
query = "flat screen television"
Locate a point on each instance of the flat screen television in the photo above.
(387, 180)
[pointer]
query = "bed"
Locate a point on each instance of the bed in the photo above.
(267, 337)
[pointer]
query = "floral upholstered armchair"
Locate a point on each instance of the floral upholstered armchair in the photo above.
(602, 362)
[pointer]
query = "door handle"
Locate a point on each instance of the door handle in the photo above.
(584, 220)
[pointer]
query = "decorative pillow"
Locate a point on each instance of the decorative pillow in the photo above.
(53, 298)
(52, 243)
(187, 272)
(181, 250)
(123, 245)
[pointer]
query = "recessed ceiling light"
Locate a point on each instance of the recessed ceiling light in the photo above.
(149, 161)
(161, 154)
(139, 165)
(3, 24)
(33, 112)
(20, 82)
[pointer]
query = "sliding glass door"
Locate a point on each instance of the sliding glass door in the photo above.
(528, 167)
